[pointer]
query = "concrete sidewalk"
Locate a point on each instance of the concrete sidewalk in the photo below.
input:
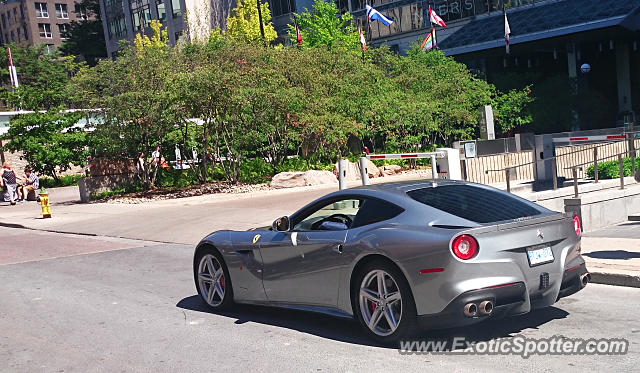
(612, 254)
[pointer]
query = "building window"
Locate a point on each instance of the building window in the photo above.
(61, 11)
(280, 7)
(81, 12)
(4, 21)
(21, 12)
(26, 35)
(63, 29)
(13, 36)
(45, 30)
(140, 14)
(116, 26)
(162, 12)
(176, 8)
(41, 10)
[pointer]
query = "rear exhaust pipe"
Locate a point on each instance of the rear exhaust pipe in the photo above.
(485, 307)
(470, 310)
(585, 279)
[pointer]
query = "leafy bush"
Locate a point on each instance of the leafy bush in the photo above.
(302, 164)
(173, 178)
(611, 169)
(63, 181)
(116, 192)
(255, 171)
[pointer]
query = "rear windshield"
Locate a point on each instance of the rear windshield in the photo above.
(473, 203)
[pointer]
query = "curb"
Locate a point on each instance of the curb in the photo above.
(615, 279)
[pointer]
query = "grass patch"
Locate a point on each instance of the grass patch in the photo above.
(63, 181)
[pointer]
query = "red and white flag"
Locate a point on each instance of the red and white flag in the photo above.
(363, 41)
(435, 18)
(507, 31)
(298, 35)
(13, 74)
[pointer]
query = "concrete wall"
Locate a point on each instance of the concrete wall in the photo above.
(598, 205)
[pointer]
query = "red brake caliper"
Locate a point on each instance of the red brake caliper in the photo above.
(222, 282)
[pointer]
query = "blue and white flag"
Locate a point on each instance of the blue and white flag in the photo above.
(373, 14)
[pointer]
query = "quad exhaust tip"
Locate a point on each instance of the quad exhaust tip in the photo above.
(486, 307)
(585, 279)
(471, 310)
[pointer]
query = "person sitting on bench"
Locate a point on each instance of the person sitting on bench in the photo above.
(31, 185)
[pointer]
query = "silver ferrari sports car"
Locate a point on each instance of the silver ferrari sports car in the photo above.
(400, 257)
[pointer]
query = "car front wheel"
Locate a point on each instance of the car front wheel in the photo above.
(212, 280)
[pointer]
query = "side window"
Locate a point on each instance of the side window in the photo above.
(375, 210)
(337, 215)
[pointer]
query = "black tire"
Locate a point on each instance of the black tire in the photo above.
(407, 325)
(227, 299)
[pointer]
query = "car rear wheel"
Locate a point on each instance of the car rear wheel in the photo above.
(212, 280)
(384, 303)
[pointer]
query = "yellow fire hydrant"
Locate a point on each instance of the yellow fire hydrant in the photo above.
(44, 203)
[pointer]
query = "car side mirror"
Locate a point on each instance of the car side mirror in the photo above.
(281, 224)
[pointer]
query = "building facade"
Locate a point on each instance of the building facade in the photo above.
(38, 22)
(123, 19)
(592, 42)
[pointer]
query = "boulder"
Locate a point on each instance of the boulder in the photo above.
(390, 170)
(372, 169)
(306, 178)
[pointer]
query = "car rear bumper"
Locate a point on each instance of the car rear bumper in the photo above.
(507, 299)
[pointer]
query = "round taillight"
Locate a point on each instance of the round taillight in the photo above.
(577, 226)
(464, 247)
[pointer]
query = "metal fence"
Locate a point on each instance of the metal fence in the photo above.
(481, 169)
(584, 155)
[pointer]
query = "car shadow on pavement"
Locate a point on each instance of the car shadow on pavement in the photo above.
(348, 330)
(612, 254)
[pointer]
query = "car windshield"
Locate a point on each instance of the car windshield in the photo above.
(473, 203)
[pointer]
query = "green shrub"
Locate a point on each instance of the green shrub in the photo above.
(611, 169)
(173, 178)
(63, 181)
(302, 164)
(255, 171)
(116, 192)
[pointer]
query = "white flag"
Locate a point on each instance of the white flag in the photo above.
(507, 31)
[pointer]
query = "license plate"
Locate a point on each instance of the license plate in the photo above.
(540, 256)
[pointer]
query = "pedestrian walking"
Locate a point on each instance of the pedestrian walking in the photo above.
(156, 157)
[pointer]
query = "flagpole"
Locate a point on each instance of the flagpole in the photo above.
(264, 39)
(433, 36)
(506, 35)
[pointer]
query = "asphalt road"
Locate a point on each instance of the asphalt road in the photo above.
(91, 304)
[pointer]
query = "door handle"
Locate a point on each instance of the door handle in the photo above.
(338, 248)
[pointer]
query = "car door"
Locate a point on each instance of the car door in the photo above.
(303, 265)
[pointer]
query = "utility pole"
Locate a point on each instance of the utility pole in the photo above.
(264, 39)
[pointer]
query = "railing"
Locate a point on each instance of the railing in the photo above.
(579, 154)
(478, 169)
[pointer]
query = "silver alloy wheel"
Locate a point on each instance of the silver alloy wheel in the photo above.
(380, 302)
(211, 280)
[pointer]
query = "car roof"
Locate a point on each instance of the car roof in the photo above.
(402, 187)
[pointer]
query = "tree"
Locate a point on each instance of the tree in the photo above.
(137, 97)
(42, 76)
(244, 25)
(324, 26)
(85, 39)
(49, 141)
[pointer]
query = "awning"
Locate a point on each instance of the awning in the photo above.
(544, 21)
